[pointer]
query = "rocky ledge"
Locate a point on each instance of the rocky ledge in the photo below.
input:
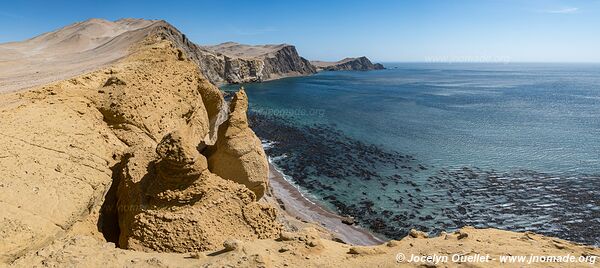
(348, 64)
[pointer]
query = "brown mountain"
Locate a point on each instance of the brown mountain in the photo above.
(87, 45)
(72, 50)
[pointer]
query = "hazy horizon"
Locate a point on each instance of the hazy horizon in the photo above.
(508, 31)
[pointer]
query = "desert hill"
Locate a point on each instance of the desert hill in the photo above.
(77, 38)
(237, 50)
(88, 45)
(69, 51)
(94, 43)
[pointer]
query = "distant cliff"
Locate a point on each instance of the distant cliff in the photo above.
(97, 42)
(356, 64)
(238, 63)
(246, 63)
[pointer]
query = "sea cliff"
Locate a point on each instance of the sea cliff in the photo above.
(236, 63)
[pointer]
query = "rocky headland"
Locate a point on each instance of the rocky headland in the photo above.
(246, 63)
(138, 160)
(348, 64)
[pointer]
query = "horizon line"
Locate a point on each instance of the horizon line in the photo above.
(487, 62)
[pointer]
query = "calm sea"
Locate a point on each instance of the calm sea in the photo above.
(439, 146)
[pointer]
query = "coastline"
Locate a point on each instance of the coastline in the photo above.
(296, 205)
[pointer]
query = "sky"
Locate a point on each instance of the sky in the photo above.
(384, 31)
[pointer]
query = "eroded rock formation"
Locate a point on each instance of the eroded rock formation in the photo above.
(170, 202)
(238, 155)
(66, 141)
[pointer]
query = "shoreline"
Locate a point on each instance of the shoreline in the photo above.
(296, 205)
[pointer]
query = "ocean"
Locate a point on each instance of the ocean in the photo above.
(437, 146)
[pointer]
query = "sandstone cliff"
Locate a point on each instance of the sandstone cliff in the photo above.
(348, 64)
(140, 125)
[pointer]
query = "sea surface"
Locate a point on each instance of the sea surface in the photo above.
(436, 146)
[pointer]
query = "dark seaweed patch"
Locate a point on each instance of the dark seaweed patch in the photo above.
(390, 192)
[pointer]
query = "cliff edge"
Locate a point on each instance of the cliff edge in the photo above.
(88, 45)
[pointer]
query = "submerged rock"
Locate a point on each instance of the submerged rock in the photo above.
(348, 220)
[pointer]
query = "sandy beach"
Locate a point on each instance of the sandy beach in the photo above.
(300, 207)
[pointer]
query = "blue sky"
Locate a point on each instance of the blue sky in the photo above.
(426, 30)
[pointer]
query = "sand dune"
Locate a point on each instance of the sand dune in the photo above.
(69, 51)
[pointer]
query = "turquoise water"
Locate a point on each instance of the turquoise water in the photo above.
(438, 146)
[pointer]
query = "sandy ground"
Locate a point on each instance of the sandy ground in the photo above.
(236, 50)
(298, 206)
(67, 52)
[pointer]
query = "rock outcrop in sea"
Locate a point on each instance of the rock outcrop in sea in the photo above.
(348, 64)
